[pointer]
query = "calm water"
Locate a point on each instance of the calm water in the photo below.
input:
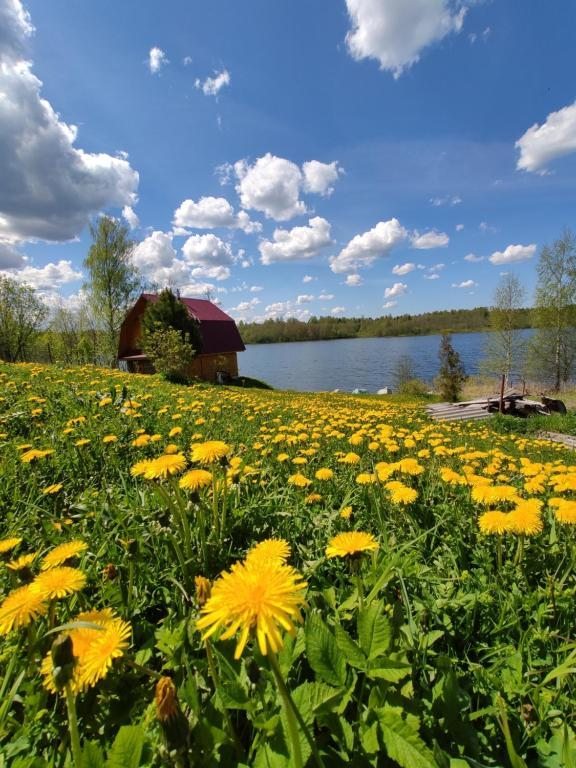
(347, 364)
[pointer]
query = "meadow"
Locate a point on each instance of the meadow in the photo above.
(213, 576)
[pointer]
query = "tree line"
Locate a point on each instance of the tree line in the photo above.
(88, 333)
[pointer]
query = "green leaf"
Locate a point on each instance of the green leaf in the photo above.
(351, 650)
(403, 743)
(369, 739)
(323, 654)
(393, 668)
(374, 631)
(92, 755)
(127, 748)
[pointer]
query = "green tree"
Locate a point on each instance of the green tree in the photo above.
(170, 337)
(22, 315)
(505, 348)
(451, 376)
(553, 346)
(113, 279)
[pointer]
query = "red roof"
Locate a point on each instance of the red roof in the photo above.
(218, 330)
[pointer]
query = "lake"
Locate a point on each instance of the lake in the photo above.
(347, 364)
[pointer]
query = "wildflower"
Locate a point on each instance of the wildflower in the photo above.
(346, 512)
(28, 456)
(299, 480)
(313, 498)
(350, 544)
(256, 597)
(195, 479)
(490, 495)
(166, 699)
(400, 493)
(166, 465)
(525, 518)
(409, 467)
(7, 544)
(203, 588)
(274, 550)
(350, 458)
(109, 439)
(175, 431)
(366, 478)
(58, 582)
(22, 562)
(20, 608)
(494, 522)
(141, 441)
(282, 457)
(83, 441)
(210, 451)
(60, 554)
(324, 474)
(564, 510)
(51, 489)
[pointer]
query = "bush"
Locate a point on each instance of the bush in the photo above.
(170, 354)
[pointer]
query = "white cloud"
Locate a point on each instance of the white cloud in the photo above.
(49, 188)
(213, 273)
(207, 251)
(284, 309)
(155, 257)
(485, 227)
(308, 279)
(271, 185)
(320, 177)
(459, 227)
(325, 296)
(354, 280)
(256, 288)
(465, 284)
(429, 240)
(403, 269)
(50, 276)
(130, 217)
(337, 310)
(213, 85)
(211, 212)
(472, 258)
(364, 249)
(304, 298)
(389, 304)
(446, 200)
(245, 306)
(432, 276)
(156, 59)
(513, 253)
(297, 243)
(541, 144)
(398, 289)
(187, 60)
(395, 32)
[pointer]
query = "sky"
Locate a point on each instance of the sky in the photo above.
(290, 158)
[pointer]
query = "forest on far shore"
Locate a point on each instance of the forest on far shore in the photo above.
(324, 328)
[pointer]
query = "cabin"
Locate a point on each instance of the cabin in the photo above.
(216, 360)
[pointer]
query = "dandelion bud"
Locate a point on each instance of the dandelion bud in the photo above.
(62, 660)
(203, 589)
(110, 572)
(171, 718)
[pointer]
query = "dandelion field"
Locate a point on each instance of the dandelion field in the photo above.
(204, 576)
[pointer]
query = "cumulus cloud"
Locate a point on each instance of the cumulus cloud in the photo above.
(207, 251)
(211, 212)
(285, 309)
(273, 184)
(432, 276)
(320, 177)
(245, 306)
(155, 258)
(337, 310)
(513, 253)
(429, 240)
(49, 188)
(256, 288)
(10, 257)
(52, 275)
(398, 289)
(297, 243)
(214, 273)
(304, 298)
(308, 279)
(156, 59)
(541, 144)
(364, 249)
(213, 85)
(395, 32)
(472, 258)
(325, 296)
(130, 217)
(403, 269)
(465, 284)
(354, 280)
(446, 200)
(389, 304)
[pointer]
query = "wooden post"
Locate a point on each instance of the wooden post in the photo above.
(501, 405)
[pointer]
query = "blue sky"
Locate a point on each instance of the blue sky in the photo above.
(290, 157)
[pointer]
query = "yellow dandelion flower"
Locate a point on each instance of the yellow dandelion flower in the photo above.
(366, 478)
(175, 431)
(171, 448)
(22, 562)
(300, 460)
(401, 494)
(313, 498)
(451, 477)
(350, 458)
(166, 700)
(141, 441)
(109, 439)
(51, 489)
(409, 467)
(494, 522)
(58, 582)
(20, 608)
(274, 550)
(384, 470)
(6, 545)
(258, 598)
(210, 451)
(33, 454)
(108, 644)
(165, 466)
(324, 474)
(195, 479)
(105, 401)
(490, 495)
(81, 442)
(299, 480)
(564, 510)
(346, 513)
(351, 544)
(525, 518)
(63, 552)
(203, 589)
